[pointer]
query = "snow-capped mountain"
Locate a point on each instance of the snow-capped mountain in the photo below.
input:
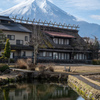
(45, 10)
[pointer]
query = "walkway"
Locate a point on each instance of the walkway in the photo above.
(87, 82)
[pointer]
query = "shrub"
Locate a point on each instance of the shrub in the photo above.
(25, 64)
(30, 65)
(96, 61)
(3, 67)
(29, 61)
(21, 64)
(50, 65)
(41, 67)
(12, 61)
(45, 68)
(51, 69)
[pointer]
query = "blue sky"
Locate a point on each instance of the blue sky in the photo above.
(88, 10)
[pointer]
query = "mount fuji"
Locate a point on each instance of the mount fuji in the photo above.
(45, 10)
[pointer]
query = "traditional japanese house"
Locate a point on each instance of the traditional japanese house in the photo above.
(18, 37)
(62, 45)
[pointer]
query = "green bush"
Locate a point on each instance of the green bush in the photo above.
(3, 67)
(96, 62)
(12, 61)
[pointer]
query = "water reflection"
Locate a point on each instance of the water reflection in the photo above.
(38, 91)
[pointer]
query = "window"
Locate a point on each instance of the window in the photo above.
(26, 38)
(32, 54)
(80, 57)
(11, 37)
(24, 53)
(67, 41)
(2, 36)
(55, 40)
(4, 21)
(19, 42)
(49, 54)
(44, 54)
(59, 55)
(61, 41)
(55, 55)
(66, 56)
(41, 54)
(62, 55)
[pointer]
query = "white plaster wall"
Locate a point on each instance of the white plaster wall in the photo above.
(28, 53)
(18, 36)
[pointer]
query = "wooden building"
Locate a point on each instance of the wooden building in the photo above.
(18, 37)
(62, 44)
(66, 46)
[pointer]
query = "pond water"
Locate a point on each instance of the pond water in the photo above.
(38, 91)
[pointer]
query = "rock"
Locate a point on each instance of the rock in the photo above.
(50, 69)
(36, 75)
(6, 71)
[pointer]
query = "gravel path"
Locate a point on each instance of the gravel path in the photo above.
(87, 82)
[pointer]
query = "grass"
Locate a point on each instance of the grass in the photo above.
(80, 69)
(92, 81)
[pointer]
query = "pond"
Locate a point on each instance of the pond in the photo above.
(38, 91)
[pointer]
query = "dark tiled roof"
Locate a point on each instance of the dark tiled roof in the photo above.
(5, 18)
(58, 34)
(13, 27)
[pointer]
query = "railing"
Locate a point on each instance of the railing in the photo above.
(45, 23)
(21, 47)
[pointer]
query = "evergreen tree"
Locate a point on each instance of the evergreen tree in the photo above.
(7, 49)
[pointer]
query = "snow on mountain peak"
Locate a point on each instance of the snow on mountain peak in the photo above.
(42, 4)
(45, 10)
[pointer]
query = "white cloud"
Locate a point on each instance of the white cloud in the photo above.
(80, 19)
(1, 10)
(84, 4)
(97, 17)
(19, 1)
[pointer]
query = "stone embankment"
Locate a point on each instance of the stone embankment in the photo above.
(20, 75)
(84, 88)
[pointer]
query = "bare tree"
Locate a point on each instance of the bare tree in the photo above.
(95, 48)
(93, 45)
(36, 40)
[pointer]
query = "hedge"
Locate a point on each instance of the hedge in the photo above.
(96, 61)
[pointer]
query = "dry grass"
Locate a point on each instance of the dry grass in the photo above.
(83, 88)
(21, 63)
(79, 69)
(74, 68)
(92, 81)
